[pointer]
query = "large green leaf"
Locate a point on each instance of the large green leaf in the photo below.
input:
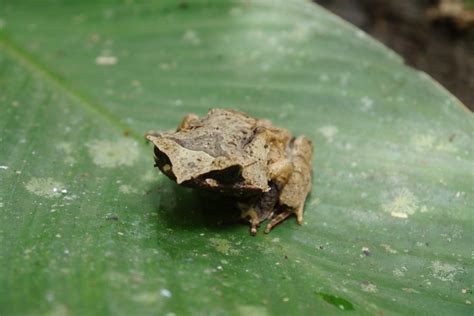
(89, 227)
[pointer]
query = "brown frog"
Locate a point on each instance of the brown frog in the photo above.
(265, 168)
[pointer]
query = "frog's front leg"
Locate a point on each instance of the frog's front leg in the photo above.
(259, 209)
(249, 213)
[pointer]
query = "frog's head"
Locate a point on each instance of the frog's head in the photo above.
(203, 163)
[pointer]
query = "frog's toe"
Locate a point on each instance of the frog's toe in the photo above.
(299, 215)
(277, 220)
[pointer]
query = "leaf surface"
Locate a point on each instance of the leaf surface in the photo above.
(89, 226)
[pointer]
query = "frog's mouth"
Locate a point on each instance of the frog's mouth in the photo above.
(228, 181)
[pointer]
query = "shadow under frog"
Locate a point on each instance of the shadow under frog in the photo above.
(184, 208)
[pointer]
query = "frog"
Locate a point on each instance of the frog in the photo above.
(264, 169)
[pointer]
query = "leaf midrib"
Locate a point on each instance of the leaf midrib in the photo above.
(35, 67)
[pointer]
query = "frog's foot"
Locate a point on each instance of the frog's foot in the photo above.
(250, 215)
(277, 220)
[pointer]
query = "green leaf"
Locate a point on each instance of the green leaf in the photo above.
(337, 301)
(88, 226)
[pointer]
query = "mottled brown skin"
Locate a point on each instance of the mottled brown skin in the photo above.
(263, 167)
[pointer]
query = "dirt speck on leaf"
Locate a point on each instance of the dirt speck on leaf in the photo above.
(445, 271)
(329, 132)
(223, 246)
(45, 187)
(368, 287)
(403, 204)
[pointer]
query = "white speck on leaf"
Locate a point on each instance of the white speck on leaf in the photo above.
(254, 310)
(445, 271)
(329, 132)
(165, 293)
(399, 214)
(368, 287)
(367, 104)
(399, 272)
(110, 154)
(45, 187)
(4, 167)
(191, 37)
(425, 142)
(388, 248)
(127, 189)
(106, 60)
(403, 204)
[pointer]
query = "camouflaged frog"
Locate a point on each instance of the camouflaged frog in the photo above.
(264, 168)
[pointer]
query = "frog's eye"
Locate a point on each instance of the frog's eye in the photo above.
(163, 162)
(230, 174)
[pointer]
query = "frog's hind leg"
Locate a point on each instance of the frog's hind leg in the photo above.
(294, 193)
(280, 217)
(277, 220)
